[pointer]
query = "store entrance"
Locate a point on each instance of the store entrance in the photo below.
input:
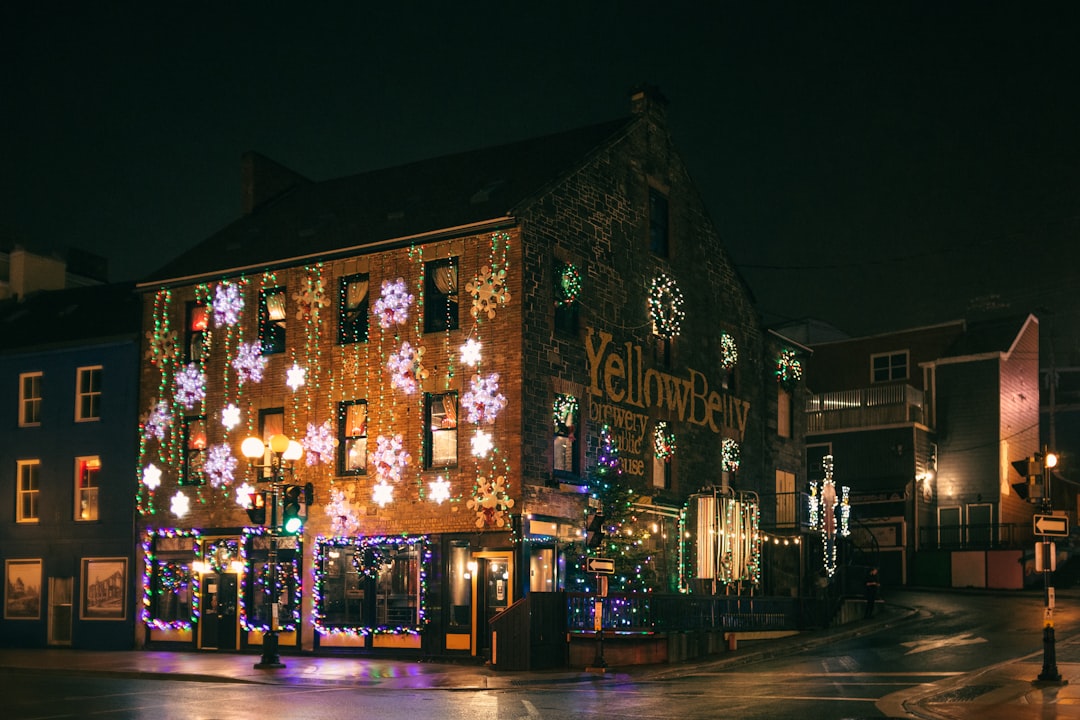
(219, 623)
(493, 584)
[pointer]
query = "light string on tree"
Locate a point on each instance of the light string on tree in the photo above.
(825, 506)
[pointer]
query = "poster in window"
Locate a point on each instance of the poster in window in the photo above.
(22, 590)
(104, 585)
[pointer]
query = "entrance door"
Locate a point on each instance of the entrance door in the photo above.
(493, 586)
(60, 611)
(219, 624)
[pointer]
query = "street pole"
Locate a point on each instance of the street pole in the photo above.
(1049, 672)
(270, 659)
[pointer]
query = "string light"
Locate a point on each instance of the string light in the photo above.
(666, 307)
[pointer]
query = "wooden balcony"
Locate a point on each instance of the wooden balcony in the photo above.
(865, 407)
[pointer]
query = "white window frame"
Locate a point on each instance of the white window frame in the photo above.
(26, 470)
(891, 367)
(92, 396)
(26, 402)
(92, 492)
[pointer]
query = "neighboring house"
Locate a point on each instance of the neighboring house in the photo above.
(459, 345)
(923, 425)
(69, 386)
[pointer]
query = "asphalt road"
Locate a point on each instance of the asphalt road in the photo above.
(857, 678)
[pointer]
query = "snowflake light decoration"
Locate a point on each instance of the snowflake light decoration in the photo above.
(295, 377)
(310, 300)
(483, 401)
(382, 494)
(179, 505)
(491, 502)
(157, 419)
(190, 386)
(729, 453)
(151, 476)
(488, 291)
(249, 362)
(230, 416)
(440, 490)
(389, 458)
(227, 304)
(243, 496)
(160, 347)
(470, 352)
(406, 367)
(481, 444)
(343, 518)
(392, 307)
(220, 465)
(319, 444)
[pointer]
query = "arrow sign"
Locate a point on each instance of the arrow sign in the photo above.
(1057, 525)
(600, 566)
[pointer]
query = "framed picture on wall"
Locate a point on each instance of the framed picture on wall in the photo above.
(104, 589)
(22, 589)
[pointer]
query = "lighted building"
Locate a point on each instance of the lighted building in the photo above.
(923, 425)
(460, 346)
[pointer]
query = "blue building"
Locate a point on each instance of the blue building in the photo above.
(68, 443)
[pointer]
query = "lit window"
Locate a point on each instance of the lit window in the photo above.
(30, 399)
(441, 295)
(28, 492)
(352, 437)
(87, 471)
(889, 366)
(88, 398)
(352, 321)
(565, 414)
(440, 446)
(194, 452)
(272, 320)
(197, 325)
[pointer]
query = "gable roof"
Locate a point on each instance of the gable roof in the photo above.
(319, 220)
(985, 337)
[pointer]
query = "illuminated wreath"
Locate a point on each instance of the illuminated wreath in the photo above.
(569, 287)
(665, 307)
(788, 369)
(729, 354)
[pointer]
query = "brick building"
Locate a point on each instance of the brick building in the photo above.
(475, 335)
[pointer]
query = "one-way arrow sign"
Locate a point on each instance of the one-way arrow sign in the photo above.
(600, 566)
(1057, 525)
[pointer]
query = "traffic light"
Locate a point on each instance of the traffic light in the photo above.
(257, 510)
(594, 531)
(291, 522)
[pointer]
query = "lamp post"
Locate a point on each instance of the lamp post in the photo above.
(275, 454)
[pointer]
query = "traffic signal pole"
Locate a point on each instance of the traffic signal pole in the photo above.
(270, 659)
(1049, 672)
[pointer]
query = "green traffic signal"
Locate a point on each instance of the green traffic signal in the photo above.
(291, 522)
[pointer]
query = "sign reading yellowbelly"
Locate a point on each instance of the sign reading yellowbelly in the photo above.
(617, 374)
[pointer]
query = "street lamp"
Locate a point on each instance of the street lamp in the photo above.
(280, 453)
(1049, 672)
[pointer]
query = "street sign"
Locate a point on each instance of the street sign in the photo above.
(1056, 525)
(600, 566)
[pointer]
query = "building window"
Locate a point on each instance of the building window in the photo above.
(889, 366)
(198, 322)
(441, 295)
(352, 437)
(28, 492)
(783, 412)
(661, 472)
(373, 587)
(87, 473)
(440, 413)
(88, 394)
(460, 585)
(353, 312)
(30, 399)
(785, 499)
(566, 413)
(272, 320)
(194, 451)
(658, 223)
(271, 423)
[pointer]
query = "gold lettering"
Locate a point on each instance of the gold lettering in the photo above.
(614, 370)
(594, 355)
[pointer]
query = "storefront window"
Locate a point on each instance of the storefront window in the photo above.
(460, 585)
(259, 597)
(169, 582)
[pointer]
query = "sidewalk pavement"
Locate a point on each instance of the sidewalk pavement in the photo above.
(1000, 691)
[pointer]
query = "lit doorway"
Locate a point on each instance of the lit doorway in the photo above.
(493, 584)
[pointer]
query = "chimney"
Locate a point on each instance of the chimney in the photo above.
(646, 99)
(262, 180)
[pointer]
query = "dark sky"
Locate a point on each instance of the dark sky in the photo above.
(873, 164)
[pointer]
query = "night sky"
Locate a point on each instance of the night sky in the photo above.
(872, 164)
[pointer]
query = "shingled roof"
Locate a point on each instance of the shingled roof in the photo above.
(319, 220)
(63, 318)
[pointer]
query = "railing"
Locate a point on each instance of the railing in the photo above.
(657, 613)
(865, 407)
